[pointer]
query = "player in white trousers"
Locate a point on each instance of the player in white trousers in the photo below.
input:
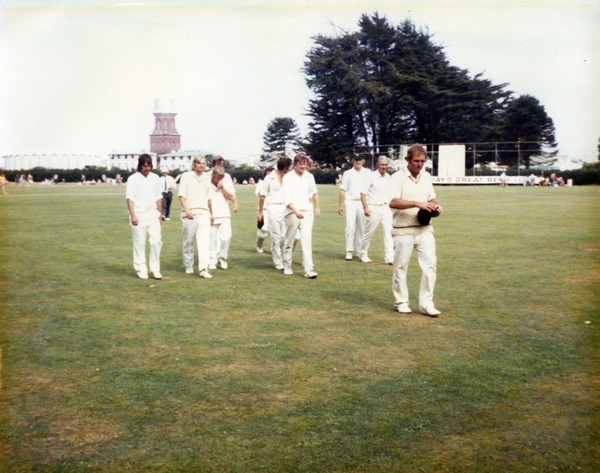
(353, 181)
(144, 202)
(262, 218)
(271, 198)
(375, 199)
(412, 191)
(196, 215)
(299, 188)
(219, 161)
(220, 228)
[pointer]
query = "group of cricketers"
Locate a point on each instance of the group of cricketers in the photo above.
(403, 203)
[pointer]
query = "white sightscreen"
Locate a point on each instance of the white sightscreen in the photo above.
(451, 161)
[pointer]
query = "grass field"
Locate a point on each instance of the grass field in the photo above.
(256, 371)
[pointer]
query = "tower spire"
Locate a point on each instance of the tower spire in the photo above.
(164, 138)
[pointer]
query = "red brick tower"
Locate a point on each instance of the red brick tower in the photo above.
(164, 138)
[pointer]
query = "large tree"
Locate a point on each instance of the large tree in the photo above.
(282, 135)
(527, 124)
(385, 85)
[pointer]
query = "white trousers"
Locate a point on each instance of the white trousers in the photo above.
(277, 231)
(148, 223)
(355, 225)
(198, 227)
(220, 239)
(379, 214)
(293, 226)
(424, 243)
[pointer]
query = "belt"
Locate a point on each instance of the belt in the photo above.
(194, 208)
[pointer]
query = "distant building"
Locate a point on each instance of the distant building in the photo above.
(164, 138)
(127, 160)
(17, 162)
(178, 160)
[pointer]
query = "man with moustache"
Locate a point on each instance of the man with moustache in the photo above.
(144, 203)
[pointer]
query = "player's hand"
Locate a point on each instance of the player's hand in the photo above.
(134, 221)
(428, 206)
(317, 212)
(341, 210)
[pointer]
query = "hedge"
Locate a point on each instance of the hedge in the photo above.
(588, 175)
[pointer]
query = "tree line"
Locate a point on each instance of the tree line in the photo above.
(386, 84)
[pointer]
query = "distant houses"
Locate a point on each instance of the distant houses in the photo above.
(16, 162)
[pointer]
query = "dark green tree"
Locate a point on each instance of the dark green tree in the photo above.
(527, 123)
(282, 135)
(386, 85)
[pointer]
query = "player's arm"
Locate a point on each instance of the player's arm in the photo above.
(134, 219)
(315, 199)
(261, 206)
(363, 201)
(159, 207)
(186, 211)
(341, 202)
(402, 204)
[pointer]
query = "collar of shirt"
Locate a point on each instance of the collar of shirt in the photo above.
(410, 176)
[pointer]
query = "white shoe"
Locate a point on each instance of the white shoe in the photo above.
(189, 270)
(287, 271)
(430, 311)
(259, 249)
(404, 308)
(389, 262)
(223, 263)
(212, 266)
(205, 274)
(348, 256)
(279, 267)
(366, 259)
(310, 275)
(142, 274)
(167, 219)
(157, 275)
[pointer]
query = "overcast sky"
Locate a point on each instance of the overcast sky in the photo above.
(82, 77)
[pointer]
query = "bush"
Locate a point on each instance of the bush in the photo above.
(325, 176)
(589, 174)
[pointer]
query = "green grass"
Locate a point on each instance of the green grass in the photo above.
(256, 371)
